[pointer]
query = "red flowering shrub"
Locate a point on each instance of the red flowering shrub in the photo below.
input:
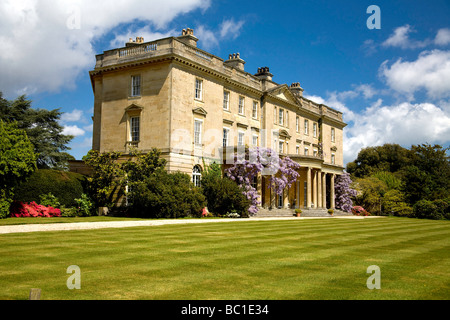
(359, 211)
(19, 209)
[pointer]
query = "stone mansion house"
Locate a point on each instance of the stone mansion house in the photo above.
(193, 106)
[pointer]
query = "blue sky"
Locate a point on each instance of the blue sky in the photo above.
(392, 83)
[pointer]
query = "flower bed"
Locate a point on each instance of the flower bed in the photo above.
(20, 209)
(359, 211)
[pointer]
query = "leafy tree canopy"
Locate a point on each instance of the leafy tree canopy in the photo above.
(17, 162)
(388, 157)
(42, 128)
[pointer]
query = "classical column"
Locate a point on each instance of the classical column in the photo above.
(315, 188)
(297, 195)
(308, 187)
(324, 190)
(332, 202)
(319, 189)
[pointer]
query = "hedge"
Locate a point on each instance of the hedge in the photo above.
(66, 186)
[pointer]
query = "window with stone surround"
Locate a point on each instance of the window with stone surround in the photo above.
(333, 135)
(306, 127)
(255, 140)
(226, 100)
(241, 105)
(280, 117)
(198, 124)
(226, 135)
(135, 128)
(198, 89)
(241, 135)
(135, 86)
(255, 110)
(196, 175)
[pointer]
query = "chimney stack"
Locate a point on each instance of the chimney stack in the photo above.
(296, 89)
(264, 74)
(131, 42)
(235, 61)
(187, 37)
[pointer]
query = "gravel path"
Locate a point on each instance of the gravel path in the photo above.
(145, 223)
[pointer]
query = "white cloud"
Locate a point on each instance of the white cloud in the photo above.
(46, 45)
(145, 32)
(75, 115)
(442, 37)
(230, 28)
(403, 123)
(73, 130)
(431, 71)
(400, 38)
(207, 38)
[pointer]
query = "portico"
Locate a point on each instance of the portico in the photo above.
(314, 189)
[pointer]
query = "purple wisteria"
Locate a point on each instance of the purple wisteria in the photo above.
(281, 172)
(343, 192)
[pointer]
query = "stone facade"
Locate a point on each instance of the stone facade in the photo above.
(194, 106)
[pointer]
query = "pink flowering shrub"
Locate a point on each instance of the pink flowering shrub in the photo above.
(19, 209)
(359, 211)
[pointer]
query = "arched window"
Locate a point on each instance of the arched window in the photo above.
(196, 175)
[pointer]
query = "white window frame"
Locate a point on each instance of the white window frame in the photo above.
(226, 137)
(275, 115)
(255, 110)
(196, 176)
(241, 105)
(136, 85)
(255, 137)
(333, 135)
(132, 128)
(333, 158)
(198, 89)
(306, 127)
(306, 151)
(226, 100)
(297, 123)
(280, 146)
(241, 138)
(297, 149)
(280, 117)
(198, 142)
(315, 130)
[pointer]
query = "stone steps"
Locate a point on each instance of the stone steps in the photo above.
(290, 213)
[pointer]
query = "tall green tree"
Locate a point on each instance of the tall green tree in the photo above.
(428, 176)
(388, 157)
(106, 175)
(17, 162)
(42, 128)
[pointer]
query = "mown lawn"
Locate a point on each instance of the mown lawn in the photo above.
(294, 259)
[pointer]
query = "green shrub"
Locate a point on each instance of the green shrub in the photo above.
(394, 204)
(165, 195)
(65, 186)
(425, 209)
(222, 194)
(84, 206)
(5, 203)
(442, 208)
(49, 200)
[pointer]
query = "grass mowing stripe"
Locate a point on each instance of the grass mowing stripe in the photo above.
(296, 259)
